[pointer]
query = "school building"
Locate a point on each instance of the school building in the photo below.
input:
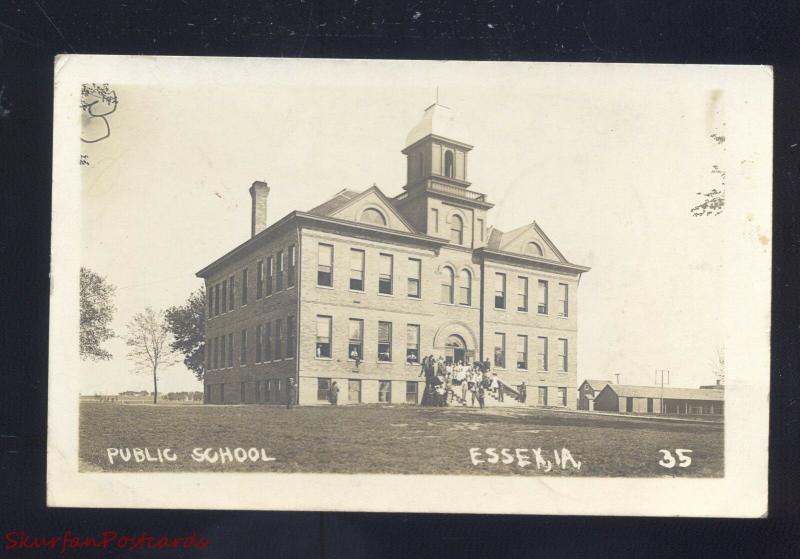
(359, 288)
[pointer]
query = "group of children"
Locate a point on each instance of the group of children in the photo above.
(446, 382)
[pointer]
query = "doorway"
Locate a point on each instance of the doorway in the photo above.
(354, 391)
(456, 351)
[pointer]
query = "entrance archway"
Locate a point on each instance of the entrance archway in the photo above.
(456, 350)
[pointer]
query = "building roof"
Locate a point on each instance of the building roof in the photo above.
(338, 200)
(437, 120)
(668, 392)
(596, 384)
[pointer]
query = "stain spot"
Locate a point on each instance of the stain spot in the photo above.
(763, 239)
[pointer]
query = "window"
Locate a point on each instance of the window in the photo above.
(355, 339)
(385, 274)
(267, 337)
(277, 390)
(216, 300)
(268, 390)
(533, 249)
(465, 288)
(447, 285)
(269, 272)
(292, 265)
(354, 391)
(373, 217)
(456, 230)
(385, 391)
(241, 392)
(412, 343)
(448, 163)
(562, 395)
(384, 341)
(480, 229)
(522, 352)
(542, 395)
(230, 350)
(324, 337)
(224, 296)
(411, 392)
(277, 348)
(542, 355)
(414, 277)
(244, 287)
(435, 219)
(291, 338)
(213, 353)
(563, 365)
(542, 308)
(281, 269)
(499, 290)
(210, 302)
(563, 299)
(323, 389)
(259, 342)
(222, 359)
(522, 294)
(231, 283)
(259, 279)
(356, 269)
(243, 348)
(499, 350)
(325, 265)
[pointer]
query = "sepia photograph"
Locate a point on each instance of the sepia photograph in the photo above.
(488, 287)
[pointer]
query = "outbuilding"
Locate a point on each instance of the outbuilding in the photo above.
(658, 400)
(588, 391)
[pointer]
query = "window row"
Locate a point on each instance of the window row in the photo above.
(355, 340)
(271, 273)
(354, 391)
(357, 272)
(542, 353)
(272, 342)
(542, 301)
(222, 296)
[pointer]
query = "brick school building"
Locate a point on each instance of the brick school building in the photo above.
(358, 289)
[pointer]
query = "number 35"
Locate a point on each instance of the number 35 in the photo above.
(668, 461)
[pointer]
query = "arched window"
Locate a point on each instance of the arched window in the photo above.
(456, 230)
(373, 216)
(533, 249)
(465, 288)
(448, 163)
(448, 277)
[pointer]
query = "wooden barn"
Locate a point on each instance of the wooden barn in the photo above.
(588, 391)
(657, 400)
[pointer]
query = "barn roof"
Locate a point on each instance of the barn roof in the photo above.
(668, 393)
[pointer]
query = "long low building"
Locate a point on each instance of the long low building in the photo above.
(657, 400)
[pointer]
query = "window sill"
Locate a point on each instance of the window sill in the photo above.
(361, 291)
(414, 297)
(499, 309)
(385, 294)
(524, 311)
(324, 286)
(324, 358)
(384, 362)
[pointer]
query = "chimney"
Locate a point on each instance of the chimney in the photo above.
(258, 216)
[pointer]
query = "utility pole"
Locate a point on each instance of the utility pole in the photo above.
(660, 373)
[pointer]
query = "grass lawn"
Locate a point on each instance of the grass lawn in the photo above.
(393, 439)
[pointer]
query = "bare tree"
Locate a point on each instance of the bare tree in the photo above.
(147, 338)
(718, 364)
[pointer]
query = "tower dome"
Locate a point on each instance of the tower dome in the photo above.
(438, 120)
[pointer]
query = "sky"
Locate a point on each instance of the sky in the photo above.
(607, 159)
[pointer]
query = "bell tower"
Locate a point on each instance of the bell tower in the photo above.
(437, 199)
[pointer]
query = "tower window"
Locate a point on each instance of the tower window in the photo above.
(456, 230)
(448, 163)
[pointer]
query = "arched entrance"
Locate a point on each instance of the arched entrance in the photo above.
(456, 350)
